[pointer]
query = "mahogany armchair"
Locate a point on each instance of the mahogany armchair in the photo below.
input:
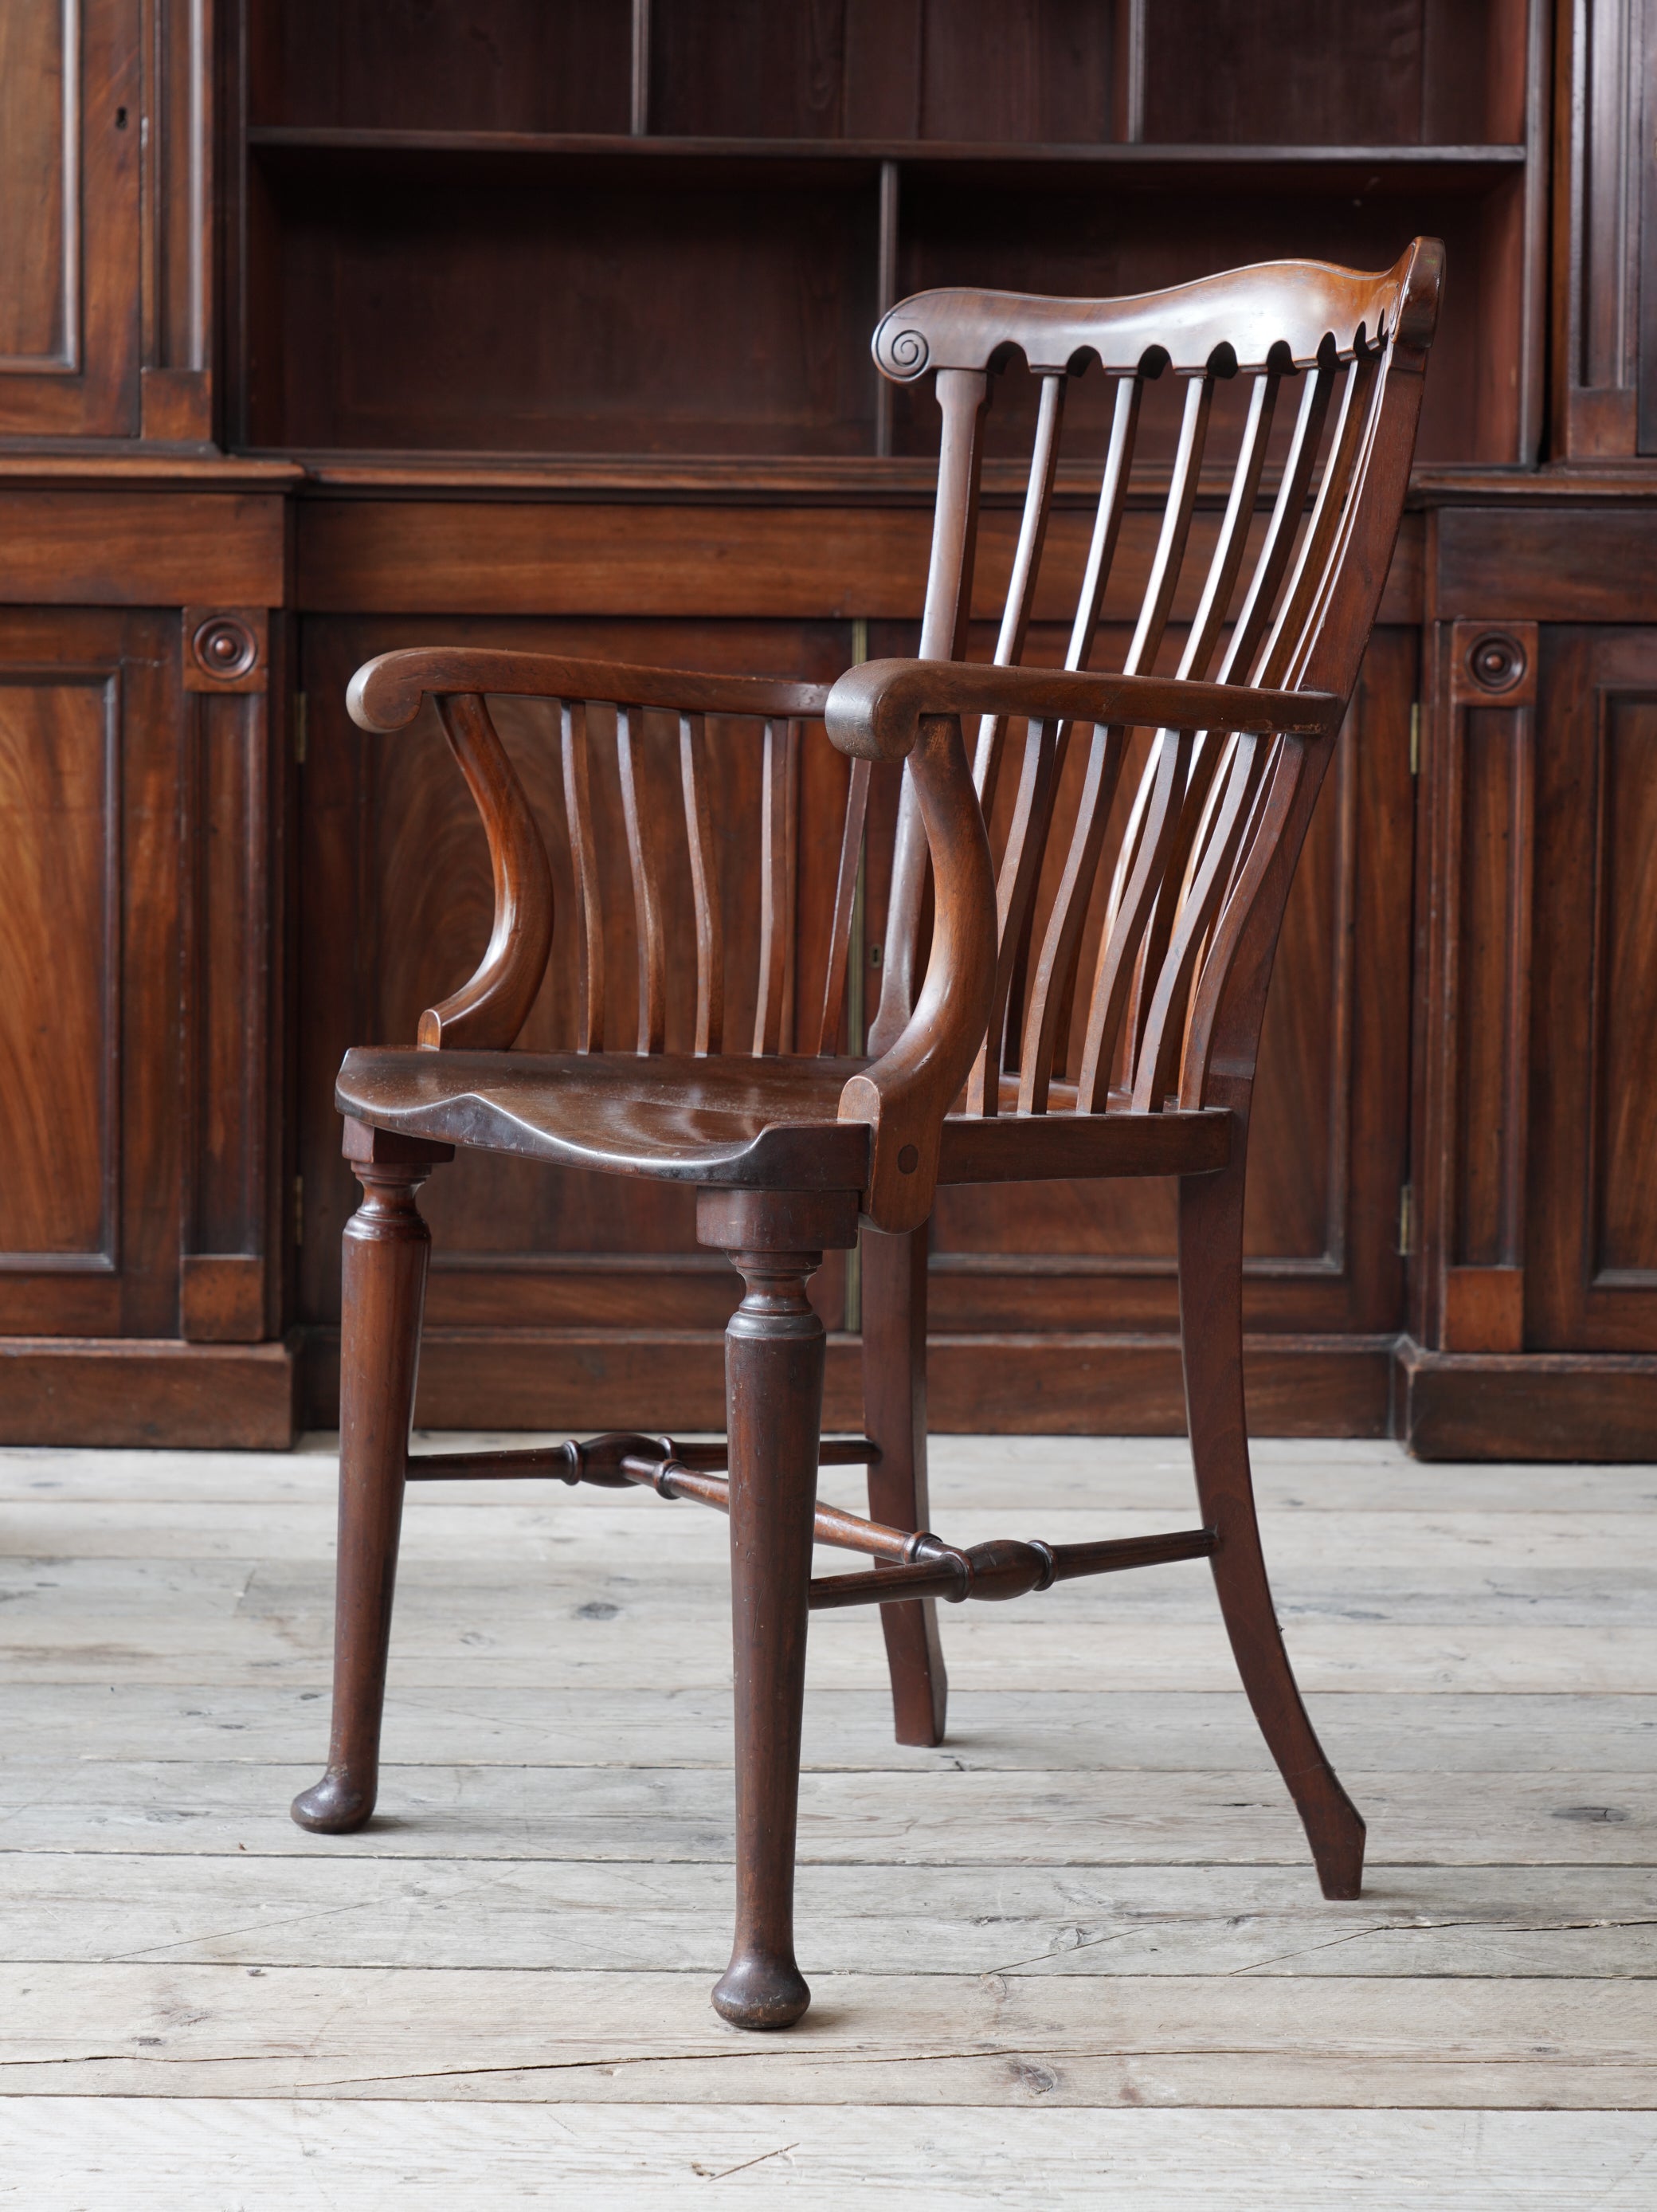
(981, 1066)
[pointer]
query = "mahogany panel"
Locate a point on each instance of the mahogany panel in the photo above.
(447, 292)
(71, 108)
(450, 65)
(1534, 1406)
(1075, 1384)
(1591, 564)
(39, 63)
(498, 556)
(1018, 72)
(147, 1391)
(122, 548)
(1592, 1195)
(89, 1014)
(1112, 237)
(60, 921)
(1625, 1048)
(1297, 72)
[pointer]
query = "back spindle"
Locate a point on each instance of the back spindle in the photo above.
(584, 869)
(704, 886)
(642, 863)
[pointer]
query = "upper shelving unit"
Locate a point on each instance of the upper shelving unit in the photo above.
(607, 227)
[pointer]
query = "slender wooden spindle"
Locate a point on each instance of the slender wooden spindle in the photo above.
(1311, 562)
(1201, 643)
(646, 893)
(1047, 1015)
(1043, 763)
(1238, 778)
(1152, 825)
(1020, 585)
(584, 866)
(772, 1005)
(1235, 820)
(839, 933)
(704, 886)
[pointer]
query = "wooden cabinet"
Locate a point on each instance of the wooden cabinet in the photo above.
(323, 331)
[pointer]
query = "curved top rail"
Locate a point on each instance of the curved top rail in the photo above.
(1244, 321)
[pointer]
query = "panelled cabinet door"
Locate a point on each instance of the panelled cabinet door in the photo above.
(70, 153)
(89, 1013)
(1590, 1246)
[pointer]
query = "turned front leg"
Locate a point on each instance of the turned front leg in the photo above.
(386, 1249)
(774, 1348)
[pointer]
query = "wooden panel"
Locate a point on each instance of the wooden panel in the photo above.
(1290, 70)
(1626, 1046)
(123, 548)
(456, 65)
(1592, 1249)
(70, 161)
(1591, 564)
(1079, 1383)
(59, 1036)
(40, 303)
(1475, 887)
(178, 281)
(1021, 71)
(1598, 310)
(1534, 1406)
(712, 317)
(146, 1391)
(89, 1002)
(1107, 236)
(1024, 71)
(459, 555)
(234, 970)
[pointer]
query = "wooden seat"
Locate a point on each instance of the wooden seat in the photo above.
(999, 1052)
(742, 1123)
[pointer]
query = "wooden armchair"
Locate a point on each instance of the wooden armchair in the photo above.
(970, 1076)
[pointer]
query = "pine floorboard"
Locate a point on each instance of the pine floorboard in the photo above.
(1075, 1956)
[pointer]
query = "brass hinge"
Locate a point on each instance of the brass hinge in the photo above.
(298, 1209)
(1415, 737)
(1407, 1221)
(301, 726)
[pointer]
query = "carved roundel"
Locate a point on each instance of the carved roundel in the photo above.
(224, 647)
(1495, 662)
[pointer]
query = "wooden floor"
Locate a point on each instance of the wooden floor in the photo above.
(1076, 1957)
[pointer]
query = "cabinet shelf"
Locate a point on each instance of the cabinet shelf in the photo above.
(1471, 167)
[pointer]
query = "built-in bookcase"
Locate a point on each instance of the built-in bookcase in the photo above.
(611, 228)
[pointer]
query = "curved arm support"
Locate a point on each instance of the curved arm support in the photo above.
(487, 1012)
(386, 694)
(904, 1096)
(875, 711)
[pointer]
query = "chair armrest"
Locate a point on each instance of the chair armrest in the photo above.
(489, 1010)
(386, 694)
(875, 710)
(903, 1097)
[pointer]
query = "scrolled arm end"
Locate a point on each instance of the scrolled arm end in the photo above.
(385, 692)
(874, 710)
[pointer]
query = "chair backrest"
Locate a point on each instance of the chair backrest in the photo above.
(1205, 850)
